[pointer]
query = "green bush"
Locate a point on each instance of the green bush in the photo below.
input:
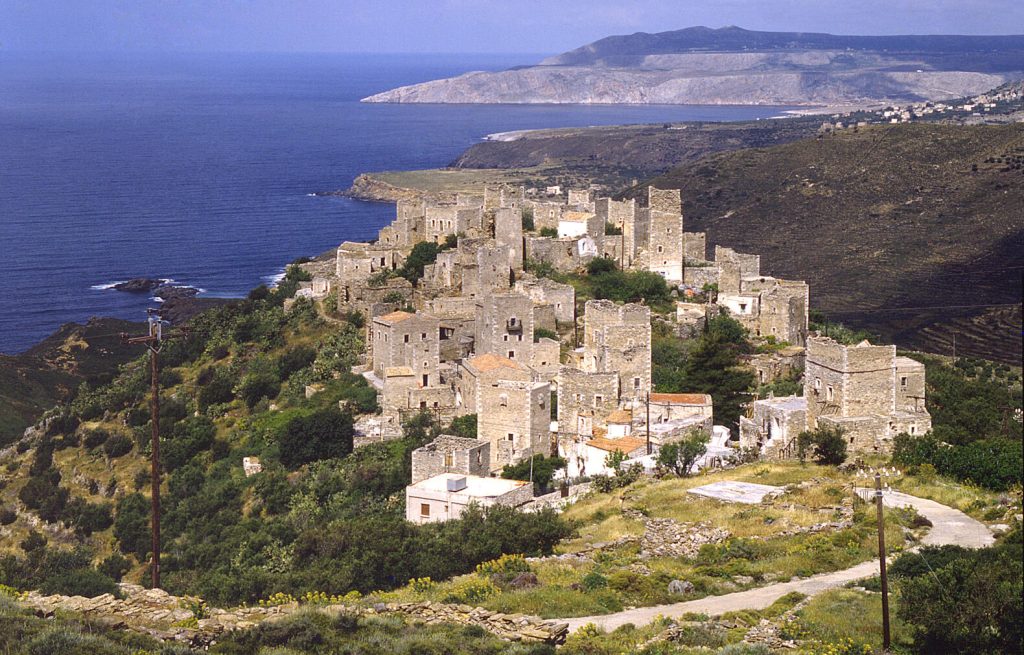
(464, 426)
(307, 437)
(131, 525)
(79, 582)
(257, 386)
(219, 390)
(826, 445)
(117, 445)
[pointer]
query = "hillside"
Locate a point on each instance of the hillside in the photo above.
(881, 219)
(48, 373)
(731, 65)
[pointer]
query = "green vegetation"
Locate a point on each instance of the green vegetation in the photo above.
(975, 436)
(680, 456)
(825, 445)
(709, 364)
(548, 232)
(541, 468)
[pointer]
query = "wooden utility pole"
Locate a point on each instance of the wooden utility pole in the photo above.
(154, 342)
(648, 422)
(881, 563)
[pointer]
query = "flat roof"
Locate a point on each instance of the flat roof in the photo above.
(476, 486)
(785, 402)
(394, 317)
(490, 361)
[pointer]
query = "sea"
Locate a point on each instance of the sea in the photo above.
(202, 169)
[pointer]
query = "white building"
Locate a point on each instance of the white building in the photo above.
(445, 496)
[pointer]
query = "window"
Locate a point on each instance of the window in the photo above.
(511, 437)
(598, 399)
(817, 386)
(425, 510)
(479, 457)
(503, 400)
(828, 393)
(405, 339)
(913, 429)
(660, 249)
(423, 404)
(448, 460)
(636, 383)
(423, 336)
(903, 382)
(511, 354)
(426, 380)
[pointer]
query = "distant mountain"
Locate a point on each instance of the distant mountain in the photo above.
(699, 65)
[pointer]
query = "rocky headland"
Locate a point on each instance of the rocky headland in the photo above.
(731, 65)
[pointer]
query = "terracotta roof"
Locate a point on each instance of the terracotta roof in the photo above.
(682, 398)
(624, 444)
(620, 416)
(490, 361)
(394, 317)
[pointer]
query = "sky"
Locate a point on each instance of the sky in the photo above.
(438, 26)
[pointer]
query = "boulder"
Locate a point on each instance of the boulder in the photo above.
(524, 581)
(680, 587)
(138, 285)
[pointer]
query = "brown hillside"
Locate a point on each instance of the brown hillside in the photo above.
(882, 219)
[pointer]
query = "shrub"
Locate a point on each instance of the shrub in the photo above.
(544, 333)
(131, 525)
(471, 591)
(323, 434)
(96, 438)
(257, 386)
(117, 445)
(79, 582)
(8, 516)
(464, 426)
(114, 566)
(826, 445)
(682, 455)
(548, 232)
(294, 360)
(502, 565)
(220, 389)
(594, 580)
(543, 469)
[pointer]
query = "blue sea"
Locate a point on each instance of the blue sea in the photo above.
(199, 168)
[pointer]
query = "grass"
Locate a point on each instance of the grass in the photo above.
(613, 578)
(845, 614)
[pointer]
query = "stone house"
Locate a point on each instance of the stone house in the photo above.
(667, 407)
(585, 399)
(587, 457)
(504, 325)
(617, 338)
(544, 291)
(866, 390)
(508, 234)
(773, 426)
(450, 454)
(772, 366)
(515, 418)
(447, 495)
(403, 394)
(665, 250)
(358, 261)
(404, 339)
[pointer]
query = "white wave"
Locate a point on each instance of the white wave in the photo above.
(156, 299)
(274, 279)
(514, 135)
(104, 287)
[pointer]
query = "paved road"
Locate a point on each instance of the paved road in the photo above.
(950, 526)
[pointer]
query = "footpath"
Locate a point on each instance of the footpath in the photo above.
(949, 526)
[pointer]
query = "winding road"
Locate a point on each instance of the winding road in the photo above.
(949, 526)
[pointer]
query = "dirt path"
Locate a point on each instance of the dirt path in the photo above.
(949, 526)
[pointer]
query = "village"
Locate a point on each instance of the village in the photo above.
(481, 334)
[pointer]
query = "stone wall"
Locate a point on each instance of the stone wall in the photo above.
(451, 454)
(584, 397)
(508, 233)
(504, 326)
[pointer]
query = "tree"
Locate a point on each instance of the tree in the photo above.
(682, 455)
(826, 445)
(543, 471)
(322, 434)
(423, 253)
(464, 426)
(971, 604)
(601, 265)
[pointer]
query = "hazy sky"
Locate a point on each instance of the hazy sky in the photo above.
(539, 26)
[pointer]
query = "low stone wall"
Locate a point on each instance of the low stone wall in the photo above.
(514, 627)
(162, 616)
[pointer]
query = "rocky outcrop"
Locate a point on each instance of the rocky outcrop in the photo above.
(373, 189)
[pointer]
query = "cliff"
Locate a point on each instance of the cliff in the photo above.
(735, 66)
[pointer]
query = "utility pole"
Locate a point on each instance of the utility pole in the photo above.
(881, 563)
(154, 342)
(648, 422)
